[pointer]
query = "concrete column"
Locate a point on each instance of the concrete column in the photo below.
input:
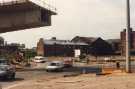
(128, 37)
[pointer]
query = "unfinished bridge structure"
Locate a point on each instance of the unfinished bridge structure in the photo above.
(24, 14)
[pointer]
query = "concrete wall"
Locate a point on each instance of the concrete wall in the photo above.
(19, 18)
(25, 15)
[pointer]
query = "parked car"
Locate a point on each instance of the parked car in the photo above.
(7, 71)
(107, 59)
(68, 62)
(55, 66)
(40, 59)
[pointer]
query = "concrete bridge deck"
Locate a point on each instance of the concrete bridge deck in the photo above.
(24, 14)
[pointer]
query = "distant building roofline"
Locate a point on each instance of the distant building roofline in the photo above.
(62, 42)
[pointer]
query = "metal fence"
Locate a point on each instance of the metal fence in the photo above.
(10, 2)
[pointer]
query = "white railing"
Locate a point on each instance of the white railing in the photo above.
(10, 2)
(41, 3)
(44, 4)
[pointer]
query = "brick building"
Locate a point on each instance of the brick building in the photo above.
(116, 45)
(87, 45)
(123, 41)
(56, 47)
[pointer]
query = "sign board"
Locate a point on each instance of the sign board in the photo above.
(77, 52)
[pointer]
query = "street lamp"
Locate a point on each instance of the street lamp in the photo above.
(128, 37)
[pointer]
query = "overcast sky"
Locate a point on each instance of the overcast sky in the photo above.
(92, 18)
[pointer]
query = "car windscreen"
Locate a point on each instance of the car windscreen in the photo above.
(2, 68)
(4, 62)
(54, 64)
(39, 58)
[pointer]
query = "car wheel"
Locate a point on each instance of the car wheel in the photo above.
(4, 77)
(12, 77)
(47, 70)
(60, 70)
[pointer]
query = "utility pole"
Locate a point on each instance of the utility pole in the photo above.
(128, 69)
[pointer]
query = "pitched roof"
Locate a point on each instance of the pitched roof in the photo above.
(113, 41)
(88, 40)
(62, 42)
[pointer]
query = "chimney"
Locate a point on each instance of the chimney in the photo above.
(53, 38)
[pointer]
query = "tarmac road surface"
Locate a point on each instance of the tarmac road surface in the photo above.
(40, 71)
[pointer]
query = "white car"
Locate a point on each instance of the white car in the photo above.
(40, 59)
(68, 62)
(55, 66)
(106, 59)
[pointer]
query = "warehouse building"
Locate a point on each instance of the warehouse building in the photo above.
(54, 47)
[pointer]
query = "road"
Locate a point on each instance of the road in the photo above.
(39, 71)
(29, 75)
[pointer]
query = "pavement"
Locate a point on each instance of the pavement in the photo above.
(30, 75)
(84, 81)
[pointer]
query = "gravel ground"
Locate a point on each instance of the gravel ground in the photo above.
(89, 81)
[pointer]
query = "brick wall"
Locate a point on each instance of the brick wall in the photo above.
(40, 47)
(123, 41)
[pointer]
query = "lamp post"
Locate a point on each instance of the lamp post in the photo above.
(128, 37)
